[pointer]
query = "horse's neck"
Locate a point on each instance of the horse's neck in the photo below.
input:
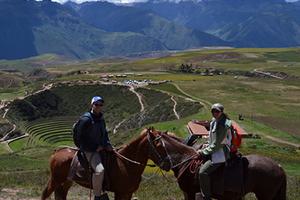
(136, 151)
(182, 152)
(182, 155)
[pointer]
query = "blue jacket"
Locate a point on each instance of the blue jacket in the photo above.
(92, 132)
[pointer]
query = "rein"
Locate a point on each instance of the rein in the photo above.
(192, 166)
(167, 157)
(127, 159)
(131, 161)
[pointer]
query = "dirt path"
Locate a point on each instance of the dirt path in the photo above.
(7, 134)
(117, 126)
(5, 112)
(44, 88)
(16, 138)
(6, 142)
(205, 103)
(174, 107)
(139, 97)
(278, 140)
(267, 74)
(7, 147)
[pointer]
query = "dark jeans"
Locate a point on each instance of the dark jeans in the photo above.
(204, 175)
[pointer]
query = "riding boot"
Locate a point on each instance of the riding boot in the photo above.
(200, 196)
(104, 197)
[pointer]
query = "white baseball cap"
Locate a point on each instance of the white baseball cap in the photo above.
(96, 98)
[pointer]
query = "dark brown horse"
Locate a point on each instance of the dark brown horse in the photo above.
(262, 175)
(125, 176)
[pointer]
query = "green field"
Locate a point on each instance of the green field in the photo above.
(270, 107)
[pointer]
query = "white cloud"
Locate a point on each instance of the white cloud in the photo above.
(113, 1)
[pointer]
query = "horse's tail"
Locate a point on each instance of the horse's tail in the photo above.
(281, 194)
(60, 162)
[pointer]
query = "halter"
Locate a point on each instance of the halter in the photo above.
(161, 159)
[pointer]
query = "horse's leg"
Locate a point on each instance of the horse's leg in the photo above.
(62, 191)
(281, 193)
(119, 196)
(51, 185)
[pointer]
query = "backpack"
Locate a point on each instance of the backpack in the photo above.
(75, 128)
(236, 139)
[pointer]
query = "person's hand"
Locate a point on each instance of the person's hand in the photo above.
(202, 155)
(99, 149)
(199, 151)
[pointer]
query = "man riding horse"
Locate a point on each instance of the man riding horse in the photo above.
(217, 151)
(93, 139)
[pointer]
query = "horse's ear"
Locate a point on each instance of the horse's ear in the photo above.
(152, 129)
(166, 132)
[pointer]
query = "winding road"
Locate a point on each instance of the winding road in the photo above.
(267, 74)
(117, 126)
(142, 109)
(280, 141)
(132, 89)
(9, 132)
(206, 104)
(174, 108)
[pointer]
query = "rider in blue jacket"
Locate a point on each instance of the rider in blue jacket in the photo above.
(93, 138)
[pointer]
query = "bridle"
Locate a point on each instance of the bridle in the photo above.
(167, 158)
(153, 150)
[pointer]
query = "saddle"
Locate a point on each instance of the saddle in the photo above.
(228, 177)
(81, 172)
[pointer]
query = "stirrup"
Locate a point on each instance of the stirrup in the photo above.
(198, 196)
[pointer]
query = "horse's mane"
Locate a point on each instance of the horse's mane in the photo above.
(179, 141)
(133, 141)
(175, 137)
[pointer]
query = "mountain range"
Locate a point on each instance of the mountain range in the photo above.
(244, 23)
(94, 29)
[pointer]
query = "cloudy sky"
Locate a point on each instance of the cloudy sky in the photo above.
(124, 1)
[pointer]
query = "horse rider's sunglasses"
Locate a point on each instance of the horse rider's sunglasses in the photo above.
(215, 111)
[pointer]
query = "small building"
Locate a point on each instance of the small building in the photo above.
(104, 76)
(105, 79)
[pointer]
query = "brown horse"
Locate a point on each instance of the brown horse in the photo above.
(125, 176)
(262, 176)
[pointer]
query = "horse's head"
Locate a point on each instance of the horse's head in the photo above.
(157, 149)
(167, 151)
